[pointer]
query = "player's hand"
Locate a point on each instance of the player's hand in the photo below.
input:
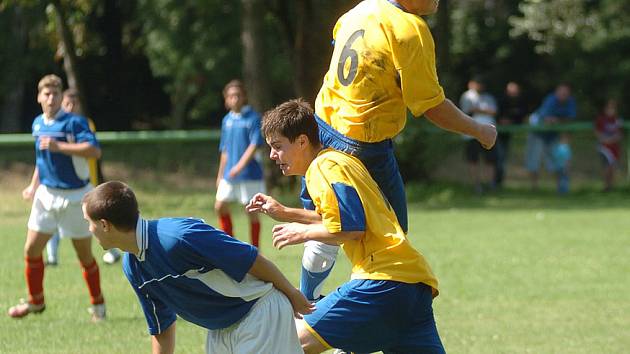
(234, 171)
(262, 203)
(301, 306)
(289, 234)
(48, 143)
(28, 192)
(487, 136)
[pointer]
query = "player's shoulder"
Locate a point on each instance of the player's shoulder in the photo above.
(74, 119)
(330, 162)
(184, 228)
(38, 120)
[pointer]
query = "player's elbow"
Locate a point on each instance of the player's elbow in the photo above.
(95, 153)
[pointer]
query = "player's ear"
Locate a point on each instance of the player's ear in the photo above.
(303, 140)
(106, 225)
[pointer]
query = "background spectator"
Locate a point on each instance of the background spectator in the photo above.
(609, 131)
(512, 110)
(482, 107)
(558, 107)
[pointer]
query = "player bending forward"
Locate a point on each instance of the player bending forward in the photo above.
(185, 267)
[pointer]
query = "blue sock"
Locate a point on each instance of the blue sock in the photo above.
(311, 282)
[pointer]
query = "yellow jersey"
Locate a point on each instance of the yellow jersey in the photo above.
(383, 63)
(93, 163)
(348, 199)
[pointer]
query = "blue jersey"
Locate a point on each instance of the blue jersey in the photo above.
(59, 170)
(238, 132)
(188, 268)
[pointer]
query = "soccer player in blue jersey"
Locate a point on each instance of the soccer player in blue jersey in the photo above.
(185, 267)
(63, 143)
(240, 174)
(387, 304)
(71, 104)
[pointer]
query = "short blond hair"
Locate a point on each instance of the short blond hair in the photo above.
(51, 80)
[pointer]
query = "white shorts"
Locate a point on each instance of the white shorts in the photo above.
(239, 191)
(268, 328)
(59, 211)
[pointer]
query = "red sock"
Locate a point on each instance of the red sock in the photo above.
(255, 230)
(225, 223)
(35, 279)
(92, 278)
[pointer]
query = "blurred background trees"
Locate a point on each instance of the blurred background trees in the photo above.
(161, 64)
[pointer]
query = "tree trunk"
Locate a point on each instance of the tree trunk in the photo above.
(443, 37)
(10, 115)
(70, 62)
(254, 66)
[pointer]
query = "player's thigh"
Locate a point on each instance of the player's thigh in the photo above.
(310, 341)
(363, 315)
(225, 192)
(269, 327)
(248, 189)
(420, 333)
(384, 169)
(43, 218)
(83, 248)
(35, 243)
(71, 223)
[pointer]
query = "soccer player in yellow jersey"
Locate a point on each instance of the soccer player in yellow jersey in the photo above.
(387, 304)
(383, 65)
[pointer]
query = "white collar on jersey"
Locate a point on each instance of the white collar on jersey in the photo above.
(59, 113)
(142, 238)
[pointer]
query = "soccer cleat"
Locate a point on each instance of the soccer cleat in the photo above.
(51, 262)
(98, 312)
(111, 256)
(24, 308)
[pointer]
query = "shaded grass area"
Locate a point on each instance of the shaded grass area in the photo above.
(519, 272)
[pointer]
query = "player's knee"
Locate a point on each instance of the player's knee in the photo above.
(309, 343)
(317, 262)
(220, 207)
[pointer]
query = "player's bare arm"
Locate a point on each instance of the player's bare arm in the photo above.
(262, 203)
(222, 162)
(84, 149)
(29, 191)
(164, 343)
(296, 233)
(263, 269)
(447, 116)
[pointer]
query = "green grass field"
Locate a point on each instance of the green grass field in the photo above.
(519, 273)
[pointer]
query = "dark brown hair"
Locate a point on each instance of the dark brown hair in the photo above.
(115, 202)
(291, 119)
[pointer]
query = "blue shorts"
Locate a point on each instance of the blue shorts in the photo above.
(379, 160)
(365, 316)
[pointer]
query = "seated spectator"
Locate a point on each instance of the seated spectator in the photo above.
(608, 129)
(557, 108)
